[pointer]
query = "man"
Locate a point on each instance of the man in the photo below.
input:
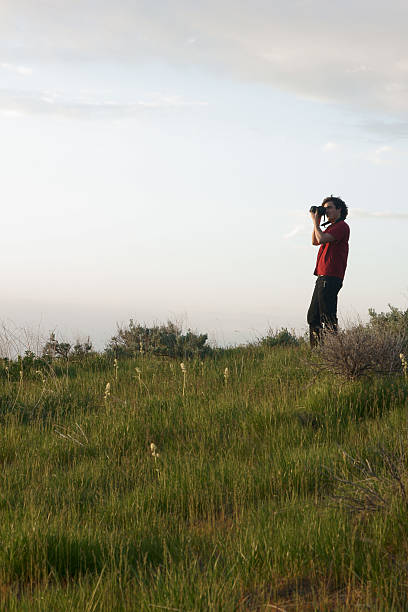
(330, 267)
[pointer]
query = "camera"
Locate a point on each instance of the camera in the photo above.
(320, 210)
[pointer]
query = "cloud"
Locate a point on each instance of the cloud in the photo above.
(23, 70)
(383, 149)
(17, 104)
(391, 129)
(296, 231)
(382, 214)
(331, 51)
(380, 155)
(329, 146)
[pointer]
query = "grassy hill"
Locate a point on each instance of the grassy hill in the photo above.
(248, 480)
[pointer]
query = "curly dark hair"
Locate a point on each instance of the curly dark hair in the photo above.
(339, 203)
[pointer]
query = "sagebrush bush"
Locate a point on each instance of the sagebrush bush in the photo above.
(56, 349)
(376, 484)
(395, 320)
(280, 337)
(360, 349)
(165, 340)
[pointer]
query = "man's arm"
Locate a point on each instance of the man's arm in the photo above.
(319, 237)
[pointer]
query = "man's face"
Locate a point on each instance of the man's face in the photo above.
(332, 213)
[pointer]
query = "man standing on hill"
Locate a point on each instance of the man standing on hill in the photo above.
(330, 267)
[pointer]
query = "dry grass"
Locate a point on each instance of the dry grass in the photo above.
(375, 486)
(360, 350)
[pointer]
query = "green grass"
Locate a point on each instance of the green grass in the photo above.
(246, 507)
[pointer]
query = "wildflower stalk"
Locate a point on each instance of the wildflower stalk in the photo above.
(107, 392)
(184, 370)
(155, 455)
(404, 364)
(115, 369)
(139, 376)
(226, 376)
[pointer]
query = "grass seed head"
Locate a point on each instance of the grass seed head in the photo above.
(184, 370)
(153, 450)
(404, 363)
(107, 391)
(41, 374)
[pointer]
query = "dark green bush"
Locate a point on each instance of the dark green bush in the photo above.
(280, 337)
(164, 340)
(13, 369)
(395, 320)
(54, 349)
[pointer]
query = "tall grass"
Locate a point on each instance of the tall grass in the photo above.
(189, 489)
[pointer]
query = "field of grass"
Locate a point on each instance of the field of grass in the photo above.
(269, 486)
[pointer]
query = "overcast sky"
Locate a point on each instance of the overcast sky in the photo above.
(159, 158)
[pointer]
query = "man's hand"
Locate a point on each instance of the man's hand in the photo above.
(315, 218)
(319, 237)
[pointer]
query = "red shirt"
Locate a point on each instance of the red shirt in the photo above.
(332, 256)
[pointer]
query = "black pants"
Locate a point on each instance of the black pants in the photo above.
(323, 307)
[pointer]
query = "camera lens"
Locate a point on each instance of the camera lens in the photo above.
(320, 210)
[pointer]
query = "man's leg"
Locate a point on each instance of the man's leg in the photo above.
(314, 317)
(327, 296)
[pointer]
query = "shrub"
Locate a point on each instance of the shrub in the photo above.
(361, 349)
(374, 485)
(395, 320)
(28, 364)
(165, 340)
(280, 337)
(54, 349)
(81, 349)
